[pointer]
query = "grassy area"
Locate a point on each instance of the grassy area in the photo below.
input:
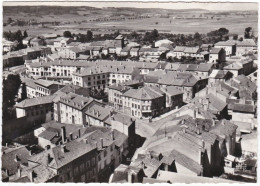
(78, 24)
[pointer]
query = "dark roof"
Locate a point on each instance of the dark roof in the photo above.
(9, 158)
(246, 108)
(186, 162)
(144, 93)
(224, 128)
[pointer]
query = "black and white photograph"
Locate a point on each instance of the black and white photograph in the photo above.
(129, 92)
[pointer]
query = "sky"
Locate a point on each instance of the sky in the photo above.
(148, 4)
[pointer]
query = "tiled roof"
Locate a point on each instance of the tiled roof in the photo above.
(29, 82)
(126, 49)
(35, 101)
(8, 158)
(224, 127)
(233, 66)
(134, 49)
(144, 93)
(171, 90)
(245, 108)
(247, 43)
(186, 162)
(97, 111)
(74, 150)
(76, 101)
(122, 118)
(75, 49)
(45, 83)
(178, 79)
(215, 50)
(191, 50)
(75, 89)
(225, 43)
(119, 87)
(179, 48)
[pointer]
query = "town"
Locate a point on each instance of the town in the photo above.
(131, 107)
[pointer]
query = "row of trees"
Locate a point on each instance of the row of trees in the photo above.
(80, 37)
(16, 36)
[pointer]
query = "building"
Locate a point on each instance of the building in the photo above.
(246, 46)
(229, 46)
(37, 110)
(217, 55)
(71, 53)
(134, 52)
(71, 108)
(218, 76)
(174, 97)
(161, 42)
(178, 52)
(12, 159)
(46, 87)
(144, 102)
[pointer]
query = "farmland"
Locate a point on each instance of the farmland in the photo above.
(175, 22)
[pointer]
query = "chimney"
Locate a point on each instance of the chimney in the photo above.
(82, 102)
(19, 172)
(63, 134)
(113, 135)
(101, 142)
(184, 130)
(30, 152)
(85, 141)
(97, 113)
(130, 177)
(71, 137)
(31, 176)
(63, 148)
(16, 158)
(49, 158)
(200, 157)
(213, 122)
(79, 133)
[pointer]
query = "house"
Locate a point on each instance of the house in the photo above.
(144, 102)
(213, 104)
(49, 36)
(37, 42)
(37, 110)
(12, 159)
(206, 47)
(46, 87)
(229, 46)
(193, 52)
(28, 87)
(59, 43)
(125, 51)
(235, 68)
(8, 45)
(72, 107)
(218, 76)
(178, 52)
(243, 112)
(163, 41)
(70, 53)
(174, 97)
(246, 46)
(217, 55)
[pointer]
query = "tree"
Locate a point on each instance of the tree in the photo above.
(223, 31)
(197, 36)
(11, 86)
(235, 37)
(9, 20)
(89, 36)
(25, 35)
(67, 34)
(240, 39)
(248, 31)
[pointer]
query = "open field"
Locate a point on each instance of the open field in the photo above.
(80, 23)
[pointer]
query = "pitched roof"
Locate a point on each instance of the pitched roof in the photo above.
(186, 162)
(144, 93)
(9, 158)
(191, 50)
(224, 127)
(215, 50)
(74, 150)
(172, 91)
(179, 48)
(247, 42)
(97, 111)
(76, 101)
(75, 49)
(36, 101)
(245, 108)
(225, 43)
(45, 83)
